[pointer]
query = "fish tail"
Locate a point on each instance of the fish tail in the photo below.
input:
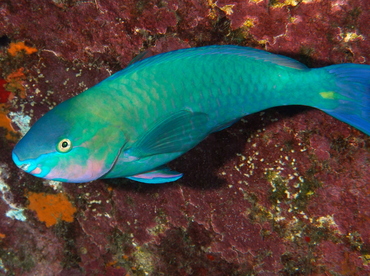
(348, 98)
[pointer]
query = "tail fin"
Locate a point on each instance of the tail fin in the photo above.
(350, 102)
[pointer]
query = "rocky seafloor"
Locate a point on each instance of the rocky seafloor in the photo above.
(282, 192)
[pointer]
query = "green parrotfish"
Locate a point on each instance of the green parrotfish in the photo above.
(135, 121)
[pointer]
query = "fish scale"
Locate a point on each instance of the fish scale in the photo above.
(207, 83)
(134, 122)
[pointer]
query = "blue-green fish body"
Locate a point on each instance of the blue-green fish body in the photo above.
(142, 117)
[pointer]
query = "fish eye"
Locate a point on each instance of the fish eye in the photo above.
(64, 145)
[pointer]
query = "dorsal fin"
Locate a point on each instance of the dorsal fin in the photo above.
(223, 50)
(256, 54)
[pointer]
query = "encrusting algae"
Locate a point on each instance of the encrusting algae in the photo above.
(51, 208)
(5, 122)
(16, 47)
(15, 82)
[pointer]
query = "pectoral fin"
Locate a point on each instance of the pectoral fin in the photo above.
(158, 176)
(179, 132)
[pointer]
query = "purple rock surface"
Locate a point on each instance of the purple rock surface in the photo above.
(282, 192)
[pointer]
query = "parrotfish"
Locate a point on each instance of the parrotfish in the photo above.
(140, 118)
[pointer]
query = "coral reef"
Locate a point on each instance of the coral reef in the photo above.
(282, 192)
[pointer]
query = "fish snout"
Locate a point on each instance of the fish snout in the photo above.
(24, 165)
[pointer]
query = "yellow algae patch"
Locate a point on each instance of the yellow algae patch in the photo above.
(293, 19)
(263, 42)
(212, 12)
(348, 37)
(366, 259)
(292, 3)
(51, 208)
(228, 9)
(249, 23)
(16, 47)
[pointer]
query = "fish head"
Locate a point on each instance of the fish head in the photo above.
(69, 145)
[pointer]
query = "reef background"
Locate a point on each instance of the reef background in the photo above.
(283, 192)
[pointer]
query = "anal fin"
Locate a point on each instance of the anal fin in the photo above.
(158, 176)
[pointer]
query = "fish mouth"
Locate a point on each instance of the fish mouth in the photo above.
(24, 165)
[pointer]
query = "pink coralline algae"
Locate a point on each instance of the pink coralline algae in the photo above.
(282, 192)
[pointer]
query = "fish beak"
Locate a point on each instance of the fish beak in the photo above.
(26, 166)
